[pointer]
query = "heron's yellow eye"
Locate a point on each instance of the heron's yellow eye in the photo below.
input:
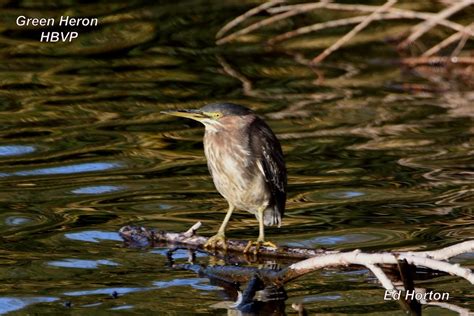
(216, 115)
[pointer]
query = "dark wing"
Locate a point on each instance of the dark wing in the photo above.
(267, 149)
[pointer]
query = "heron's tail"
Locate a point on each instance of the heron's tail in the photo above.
(272, 217)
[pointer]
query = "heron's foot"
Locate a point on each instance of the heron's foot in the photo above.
(215, 241)
(258, 244)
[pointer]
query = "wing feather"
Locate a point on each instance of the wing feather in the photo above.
(269, 157)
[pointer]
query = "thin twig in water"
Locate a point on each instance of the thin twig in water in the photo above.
(422, 28)
(359, 27)
(246, 15)
(449, 40)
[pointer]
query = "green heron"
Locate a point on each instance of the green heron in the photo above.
(246, 163)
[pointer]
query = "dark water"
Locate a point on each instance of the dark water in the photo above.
(84, 151)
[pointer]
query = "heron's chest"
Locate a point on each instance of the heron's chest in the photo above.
(232, 167)
(229, 159)
(226, 157)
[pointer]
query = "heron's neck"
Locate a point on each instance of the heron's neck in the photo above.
(231, 124)
(213, 127)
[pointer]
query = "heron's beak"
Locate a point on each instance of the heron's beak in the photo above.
(191, 114)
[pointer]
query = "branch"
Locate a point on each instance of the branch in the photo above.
(359, 27)
(448, 252)
(401, 13)
(422, 28)
(384, 280)
(356, 257)
(246, 15)
(191, 231)
(267, 21)
(449, 40)
(435, 60)
(136, 236)
(318, 27)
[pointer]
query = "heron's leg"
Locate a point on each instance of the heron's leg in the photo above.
(261, 227)
(226, 219)
(261, 233)
(220, 236)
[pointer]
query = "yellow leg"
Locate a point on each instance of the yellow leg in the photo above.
(261, 227)
(261, 234)
(219, 238)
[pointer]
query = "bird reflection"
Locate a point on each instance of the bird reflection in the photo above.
(242, 295)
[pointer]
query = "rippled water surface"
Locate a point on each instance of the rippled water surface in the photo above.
(85, 151)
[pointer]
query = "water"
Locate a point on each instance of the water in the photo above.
(84, 151)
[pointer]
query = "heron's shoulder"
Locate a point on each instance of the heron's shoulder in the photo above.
(260, 129)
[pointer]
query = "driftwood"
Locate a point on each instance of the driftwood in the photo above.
(272, 280)
(139, 236)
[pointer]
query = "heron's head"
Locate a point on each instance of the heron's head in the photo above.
(212, 115)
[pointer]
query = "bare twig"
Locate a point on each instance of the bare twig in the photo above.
(246, 15)
(265, 22)
(402, 13)
(460, 45)
(305, 7)
(448, 252)
(316, 27)
(422, 28)
(435, 60)
(331, 24)
(449, 40)
(383, 278)
(191, 231)
(356, 257)
(359, 27)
